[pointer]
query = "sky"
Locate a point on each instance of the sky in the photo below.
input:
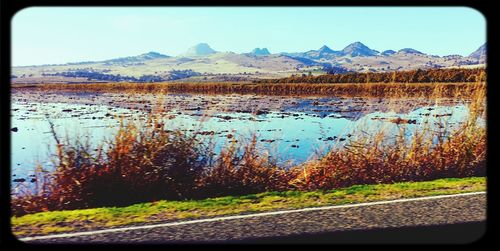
(56, 35)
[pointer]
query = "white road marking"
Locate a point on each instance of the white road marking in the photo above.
(112, 230)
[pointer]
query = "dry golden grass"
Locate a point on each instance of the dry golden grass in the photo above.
(364, 89)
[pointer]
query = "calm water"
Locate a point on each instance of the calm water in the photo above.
(294, 128)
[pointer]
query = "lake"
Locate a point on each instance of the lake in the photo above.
(292, 128)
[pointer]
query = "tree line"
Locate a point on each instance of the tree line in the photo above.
(93, 75)
(412, 76)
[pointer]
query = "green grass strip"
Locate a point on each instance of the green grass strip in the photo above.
(161, 211)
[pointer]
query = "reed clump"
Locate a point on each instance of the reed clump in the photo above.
(137, 165)
(375, 161)
(244, 169)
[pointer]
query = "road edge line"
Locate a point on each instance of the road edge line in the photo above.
(232, 217)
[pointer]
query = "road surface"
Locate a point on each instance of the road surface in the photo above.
(460, 215)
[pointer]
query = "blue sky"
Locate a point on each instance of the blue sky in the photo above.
(50, 35)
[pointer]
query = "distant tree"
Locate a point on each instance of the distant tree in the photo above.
(412, 76)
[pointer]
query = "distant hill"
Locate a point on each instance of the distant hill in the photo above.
(479, 54)
(135, 59)
(260, 52)
(358, 49)
(323, 53)
(388, 52)
(410, 51)
(126, 60)
(202, 63)
(198, 50)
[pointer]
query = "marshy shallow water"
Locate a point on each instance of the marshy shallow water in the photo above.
(294, 128)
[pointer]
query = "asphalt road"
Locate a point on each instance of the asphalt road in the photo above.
(452, 216)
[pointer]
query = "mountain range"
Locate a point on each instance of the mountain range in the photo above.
(202, 63)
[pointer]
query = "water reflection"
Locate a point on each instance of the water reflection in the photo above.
(293, 128)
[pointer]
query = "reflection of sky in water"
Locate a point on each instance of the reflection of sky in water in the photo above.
(297, 135)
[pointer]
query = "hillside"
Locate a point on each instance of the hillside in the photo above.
(202, 63)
